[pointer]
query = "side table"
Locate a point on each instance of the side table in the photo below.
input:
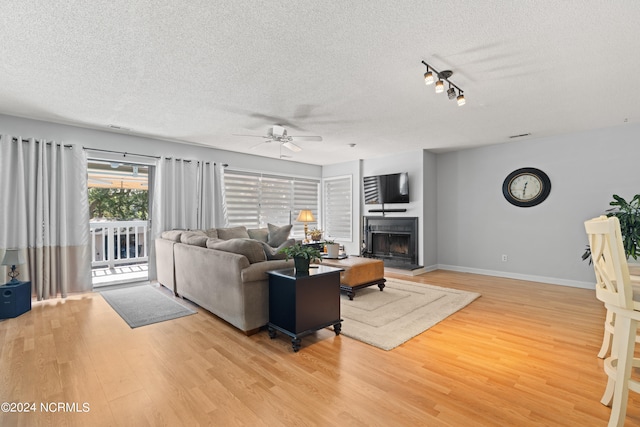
(15, 299)
(300, 304)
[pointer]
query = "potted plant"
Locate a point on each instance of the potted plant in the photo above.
(302, 255)
(628, 214)
(333, 249)
(315, 234)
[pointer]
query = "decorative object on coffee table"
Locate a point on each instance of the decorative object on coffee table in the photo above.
(302, 255)
(302, 304)
(305, 216)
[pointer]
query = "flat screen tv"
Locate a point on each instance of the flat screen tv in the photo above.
(392, 188)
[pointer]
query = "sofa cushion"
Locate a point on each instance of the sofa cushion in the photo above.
(233, 233)
(196, 238)
(274, 253)
(278, 235)
(261, 234)
(212, 233)
(172, 235)
(252, 249)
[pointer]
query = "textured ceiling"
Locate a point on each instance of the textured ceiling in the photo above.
(351, 72)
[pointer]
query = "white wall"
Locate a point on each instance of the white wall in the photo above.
(476, 225)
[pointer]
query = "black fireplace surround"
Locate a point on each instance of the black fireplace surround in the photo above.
(393, 240)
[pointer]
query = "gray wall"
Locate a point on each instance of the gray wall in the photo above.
(476, 225)
(94, 138)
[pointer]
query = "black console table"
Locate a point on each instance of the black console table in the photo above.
(300, 304)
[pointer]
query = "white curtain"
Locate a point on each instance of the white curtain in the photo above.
(44, 210)
(183, 198)
(175, 199)
(206, 196)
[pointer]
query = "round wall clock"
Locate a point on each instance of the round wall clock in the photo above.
(526, 187)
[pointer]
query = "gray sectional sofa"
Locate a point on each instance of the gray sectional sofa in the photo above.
(224, 270)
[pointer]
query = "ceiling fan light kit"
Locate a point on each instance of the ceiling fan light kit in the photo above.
(443, 76)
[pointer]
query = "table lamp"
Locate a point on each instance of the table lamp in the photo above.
(305, 216)
(13, 257)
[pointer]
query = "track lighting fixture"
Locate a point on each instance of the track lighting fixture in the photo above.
(443, 76)
(428, 77)
(451, 93)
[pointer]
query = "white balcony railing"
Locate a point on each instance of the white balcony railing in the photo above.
(118, 242)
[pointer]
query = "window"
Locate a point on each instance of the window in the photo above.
(253, 200)
(337, 208)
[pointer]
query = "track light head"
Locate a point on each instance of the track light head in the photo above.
(461, 100)
(439, 86)
(451, 93)
(428, 78)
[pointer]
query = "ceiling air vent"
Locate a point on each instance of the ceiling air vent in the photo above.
(520, 136)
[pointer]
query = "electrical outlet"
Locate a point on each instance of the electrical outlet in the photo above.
(505, 258)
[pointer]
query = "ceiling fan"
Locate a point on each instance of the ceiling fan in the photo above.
(277, 133)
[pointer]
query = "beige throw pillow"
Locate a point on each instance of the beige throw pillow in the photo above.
(278, 235)
(233, 233)
(260, 234)
(252, 249)
(196, 238)
(172, 235)
(212, 233)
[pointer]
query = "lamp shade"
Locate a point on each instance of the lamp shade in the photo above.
(13, 257)
(305, 215)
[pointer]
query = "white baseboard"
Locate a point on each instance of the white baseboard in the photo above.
(416, 272)
(531, 278)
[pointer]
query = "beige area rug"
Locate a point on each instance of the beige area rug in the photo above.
(400, 312)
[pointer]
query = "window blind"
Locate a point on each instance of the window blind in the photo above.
(254, 200)
(337, 203)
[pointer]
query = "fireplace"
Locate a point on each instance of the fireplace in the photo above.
(394, 240)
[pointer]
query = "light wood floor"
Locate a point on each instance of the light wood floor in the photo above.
(523, 354)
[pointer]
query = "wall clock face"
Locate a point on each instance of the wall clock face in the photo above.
(526, 187)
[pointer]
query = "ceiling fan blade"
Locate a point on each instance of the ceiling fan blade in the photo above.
(307, 138)
(259, 144)
(253, 136)
(291, 146)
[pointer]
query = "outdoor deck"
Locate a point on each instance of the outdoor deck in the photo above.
(119, 252)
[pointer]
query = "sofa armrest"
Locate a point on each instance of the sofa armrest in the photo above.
(258, 271)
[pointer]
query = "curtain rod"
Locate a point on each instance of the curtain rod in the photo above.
(38, 141)
(124, 154)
